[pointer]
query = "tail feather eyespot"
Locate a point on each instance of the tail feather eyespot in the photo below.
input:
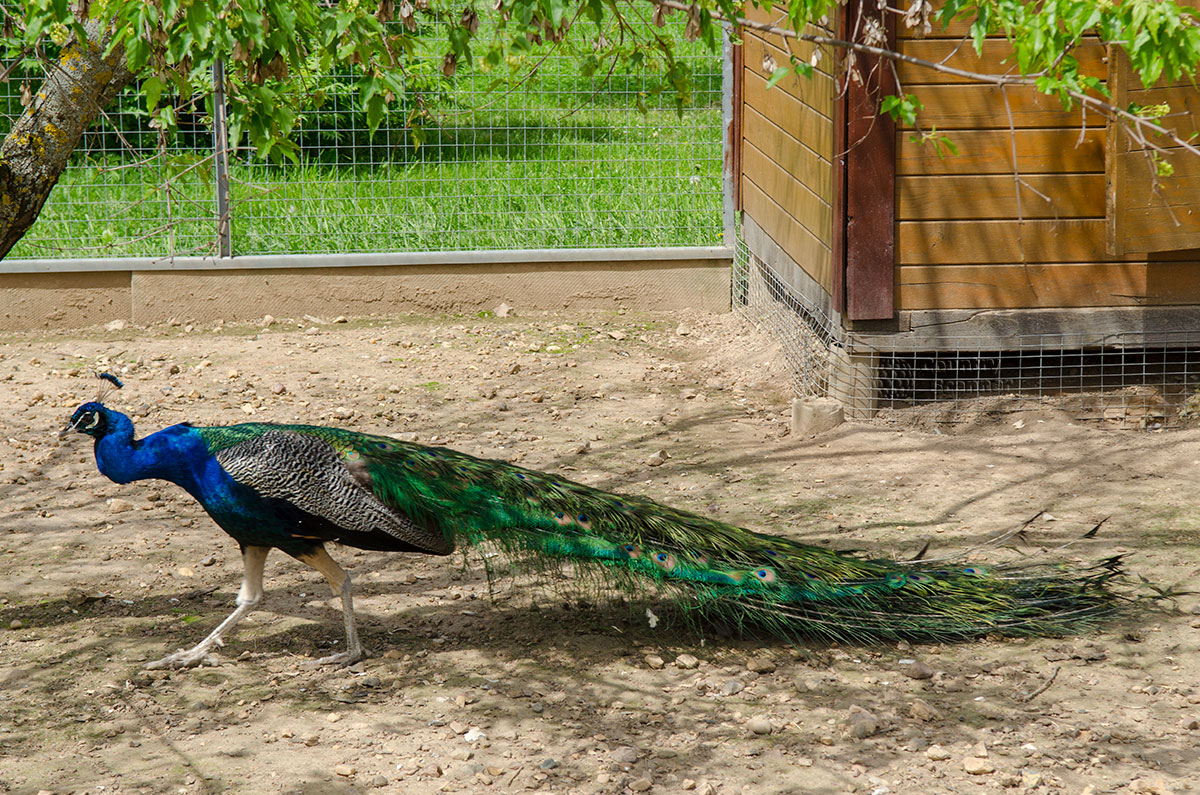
(665, 560)
(765, 575)
(632, 550)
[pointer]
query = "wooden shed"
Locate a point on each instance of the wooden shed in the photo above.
(1048, 224)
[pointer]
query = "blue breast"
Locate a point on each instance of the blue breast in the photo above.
(178, 454)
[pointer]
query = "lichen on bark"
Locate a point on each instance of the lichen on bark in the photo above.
(82, 82)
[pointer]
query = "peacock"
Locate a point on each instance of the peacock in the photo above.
(297, 488)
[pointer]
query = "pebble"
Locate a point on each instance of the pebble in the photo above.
(921, 710)
(936, 753)
(504, 310)
(978, 766)
(761, 665)
(209, 561)
(861, 723)
(654, 661)
(625, 755)
(278, 389)
(16, 623)
(918, 670)
(759, 725)
(549, 763)
(114, 325)
(118, 505)
(657, 458)
(732, 687)
(333, 717)
(379, 781)
(344, 770)
(687, 783)
(640, 784)
(461, 754)
(686, 661)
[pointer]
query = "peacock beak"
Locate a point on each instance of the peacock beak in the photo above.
(65, 431)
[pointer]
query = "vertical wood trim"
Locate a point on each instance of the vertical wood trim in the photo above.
(1114, 166)
(870, 182)
(837, 242)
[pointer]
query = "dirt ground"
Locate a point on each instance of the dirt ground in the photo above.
(474, 689)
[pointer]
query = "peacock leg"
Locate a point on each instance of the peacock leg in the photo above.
(249, 595)
(339, 581)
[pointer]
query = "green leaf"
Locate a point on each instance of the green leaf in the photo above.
(779, 73)
(152, 87)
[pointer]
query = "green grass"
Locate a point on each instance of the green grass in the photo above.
(562, 162)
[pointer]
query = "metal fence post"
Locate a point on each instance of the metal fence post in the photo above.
(221, 162)
(728, 144)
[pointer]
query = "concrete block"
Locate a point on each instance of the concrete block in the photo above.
(815, 415)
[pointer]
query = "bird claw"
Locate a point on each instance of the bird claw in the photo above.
(184, 658)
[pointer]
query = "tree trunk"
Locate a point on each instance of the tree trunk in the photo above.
(36, 151)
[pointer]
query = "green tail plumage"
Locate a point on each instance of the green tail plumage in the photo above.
(747, 578)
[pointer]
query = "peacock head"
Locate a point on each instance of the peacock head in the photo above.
(93, 418)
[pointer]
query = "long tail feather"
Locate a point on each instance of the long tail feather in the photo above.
(727, 572)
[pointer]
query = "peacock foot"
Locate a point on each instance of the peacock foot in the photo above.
(185, 658)
(342, 658)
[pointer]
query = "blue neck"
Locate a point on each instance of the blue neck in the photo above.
(170, 454)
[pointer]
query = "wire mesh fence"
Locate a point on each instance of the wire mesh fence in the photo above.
(553, 160)
(1133, 380)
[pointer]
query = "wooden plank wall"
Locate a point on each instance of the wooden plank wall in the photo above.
(1146, 213)
(962, 242)
(787, 152)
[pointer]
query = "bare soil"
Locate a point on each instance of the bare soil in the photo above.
(479, 687)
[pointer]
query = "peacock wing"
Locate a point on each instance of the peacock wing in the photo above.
(311, 474)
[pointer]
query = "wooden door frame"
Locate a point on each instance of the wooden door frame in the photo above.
(864, 168)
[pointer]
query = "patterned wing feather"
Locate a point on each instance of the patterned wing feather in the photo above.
(308, 473)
